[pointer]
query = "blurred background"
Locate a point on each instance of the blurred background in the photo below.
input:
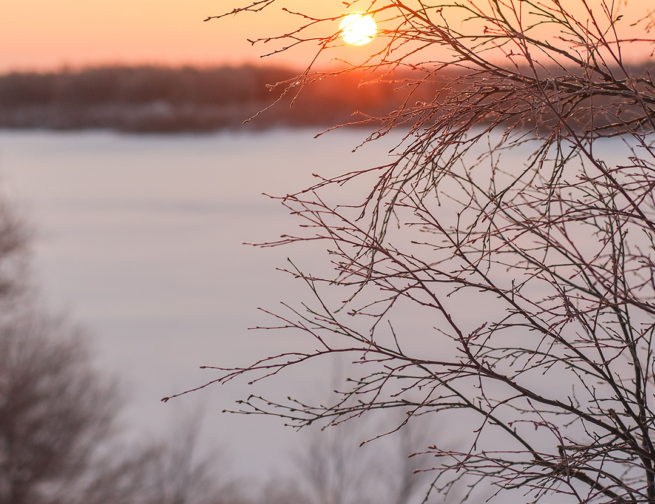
(130, 186)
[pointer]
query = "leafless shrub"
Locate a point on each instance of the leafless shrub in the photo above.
(165, 472)
(59, 442)
(58, 438)
(54, 411)
(334, 468)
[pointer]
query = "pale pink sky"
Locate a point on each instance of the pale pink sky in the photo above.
(48, 34)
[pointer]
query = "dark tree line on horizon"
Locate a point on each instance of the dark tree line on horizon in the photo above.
(152, 99)
(162, 99)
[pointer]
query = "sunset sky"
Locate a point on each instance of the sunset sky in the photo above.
(50, 34)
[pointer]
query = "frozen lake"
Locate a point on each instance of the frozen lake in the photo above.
(140, 240)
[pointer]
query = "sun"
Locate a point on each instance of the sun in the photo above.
(357, 29)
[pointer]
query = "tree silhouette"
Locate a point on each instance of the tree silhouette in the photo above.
(515, 221)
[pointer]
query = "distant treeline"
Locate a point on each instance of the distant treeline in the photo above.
(160, 99)
(164, 99)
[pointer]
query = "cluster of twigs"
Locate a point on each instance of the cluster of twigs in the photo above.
(558, 376)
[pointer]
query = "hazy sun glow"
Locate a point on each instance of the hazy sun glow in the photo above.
(357, 29)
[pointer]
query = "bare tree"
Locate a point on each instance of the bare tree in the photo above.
(281, 491)
(160, 472)
(54, 410)
(58, 441)
(58, 438)
(401, 471)
(524, 189)
(335, 468)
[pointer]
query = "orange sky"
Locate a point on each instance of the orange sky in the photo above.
(48, 34)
